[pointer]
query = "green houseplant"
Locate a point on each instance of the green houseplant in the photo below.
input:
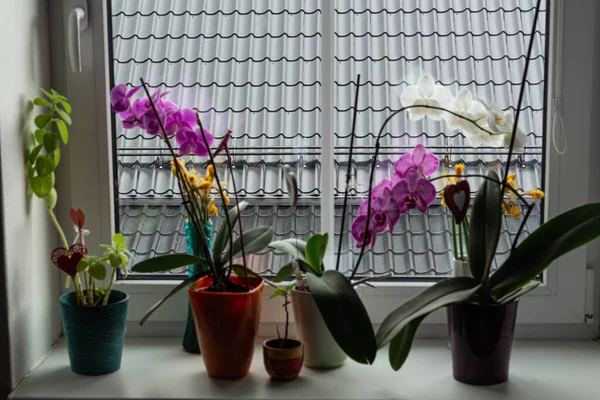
(481, 308)
(93, 316)
(226, 308)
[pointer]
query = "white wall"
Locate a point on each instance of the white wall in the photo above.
(27, 235)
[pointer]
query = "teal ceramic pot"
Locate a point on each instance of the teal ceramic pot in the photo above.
(94, 334)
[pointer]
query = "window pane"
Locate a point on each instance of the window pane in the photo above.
(480, 45)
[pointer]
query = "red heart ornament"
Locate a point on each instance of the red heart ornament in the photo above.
(458, 197)
(78, 217)
(67, 260)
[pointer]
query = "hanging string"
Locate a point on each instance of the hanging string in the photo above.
(556, 134)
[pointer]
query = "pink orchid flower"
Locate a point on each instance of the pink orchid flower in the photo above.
(414, 192)
(421, 159)
(358, 231)
(385, 211)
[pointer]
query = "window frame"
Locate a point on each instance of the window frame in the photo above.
(568, 89)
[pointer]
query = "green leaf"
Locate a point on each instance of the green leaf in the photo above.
(48, 94)
(42, 120)
(65, 104)
(255, 240)
(344, 314)
(82, 265)
(34, 153)
(166, 263)
(44, 166)
(443, 293)
(284, 272)
(290, 286)
(560, 235)
(68, 282)
(62, 130)
(51, 199)
(39, 135)
(277, 292)
(42, 185)
(50, 142)
(118, 239)
(222, 238)
(97, 271)
(56, 157)
(39, 101)
(238, 270)
(115, 260)
(182, 285)
(401, 344)
(65, 117)
(520, 292)
(486, 217)
(294, 247)
(315, 251)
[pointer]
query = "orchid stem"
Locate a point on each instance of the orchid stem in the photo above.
(454, 245)
(460, 242)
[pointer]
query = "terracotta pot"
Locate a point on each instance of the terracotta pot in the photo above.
(320, 348)
(481, 338)
(226, 325)
(283, 358)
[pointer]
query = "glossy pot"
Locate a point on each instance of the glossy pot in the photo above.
(481, 338)
(320, 349)
(226, 326)
(94, 335)
(283, 358)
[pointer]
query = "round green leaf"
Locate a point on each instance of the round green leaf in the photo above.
(44, 166)
(98, 271)
(42, 120)
(34, 153)
(42, 102)
(52, 199)
(119, 239)
(115, 260)
(42, 185)
(64, 116)
(50, 142)
(82, 266)
(62, 130)
(39, 135)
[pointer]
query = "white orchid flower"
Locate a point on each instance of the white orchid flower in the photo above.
(465, 106)
(426, 93)
(501, 122)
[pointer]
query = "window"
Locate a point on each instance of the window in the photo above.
(276, 105)
(257, 68)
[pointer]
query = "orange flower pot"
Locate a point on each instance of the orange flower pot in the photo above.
(226, 325)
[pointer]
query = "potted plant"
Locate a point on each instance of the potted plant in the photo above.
(481, 309)
(226, 308)
(283, 357)
(93, 317)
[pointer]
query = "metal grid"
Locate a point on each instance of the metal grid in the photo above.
(254, 66)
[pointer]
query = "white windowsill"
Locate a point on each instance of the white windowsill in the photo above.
(157, 368)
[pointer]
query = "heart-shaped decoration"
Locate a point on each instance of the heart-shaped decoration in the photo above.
(67, 260)
(458, 197)
(78, 217)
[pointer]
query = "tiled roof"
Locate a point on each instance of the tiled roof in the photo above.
(254, 66)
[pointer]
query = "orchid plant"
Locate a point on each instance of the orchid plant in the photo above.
(528, 258)
(158, 116)
(42, 159)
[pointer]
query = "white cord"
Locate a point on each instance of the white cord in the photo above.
(555, 133)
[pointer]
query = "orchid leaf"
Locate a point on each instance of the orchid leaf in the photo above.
(294, 247)
(486, 219)
(222, 238)
(287, 271)
(255, 240)
(238, 270)
(560, 235)
(182, 285)
(520, 292)
(166, 263)
(444, 293)
(344, 314)
(316, 247)
(278, 292)
(401, 344)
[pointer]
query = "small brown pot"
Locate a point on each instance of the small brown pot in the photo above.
(283, 358)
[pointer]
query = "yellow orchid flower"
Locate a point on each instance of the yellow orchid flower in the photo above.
(212, 209)
(536, 194)
(181, 166)
(225, 198)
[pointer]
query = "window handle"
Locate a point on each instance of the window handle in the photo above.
(78, 22)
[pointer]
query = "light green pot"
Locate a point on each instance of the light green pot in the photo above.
(320, 349)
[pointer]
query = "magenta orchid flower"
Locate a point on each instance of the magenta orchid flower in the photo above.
(421, 159)
(150, 122)
(385, 211)
(190, 141)
(358, 231)
(180, 118)
(414, 192)
(120, 97)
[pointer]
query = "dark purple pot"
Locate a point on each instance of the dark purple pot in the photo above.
(481, 338)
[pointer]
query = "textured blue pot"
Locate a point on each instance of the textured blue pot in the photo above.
(94, 334)
(190, 339)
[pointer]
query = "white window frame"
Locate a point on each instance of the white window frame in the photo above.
(557, 309)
